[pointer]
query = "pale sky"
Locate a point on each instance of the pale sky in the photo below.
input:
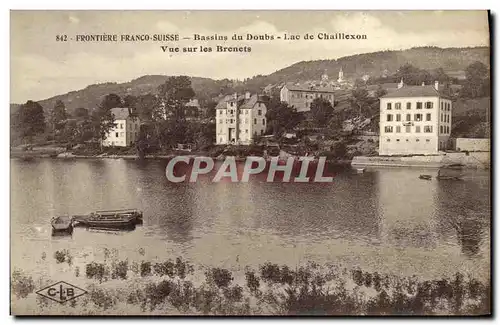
(42, 68)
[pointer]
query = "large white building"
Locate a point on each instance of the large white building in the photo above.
(240, 118)
(414, 120)
(126, 131)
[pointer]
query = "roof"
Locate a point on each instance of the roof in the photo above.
(242, 101)
(292, 87)
(414, 91)
(120, 113)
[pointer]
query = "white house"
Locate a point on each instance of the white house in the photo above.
(414, 120)
(240, 118)
(126, 131)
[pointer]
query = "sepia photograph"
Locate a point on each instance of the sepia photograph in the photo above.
(250, 163)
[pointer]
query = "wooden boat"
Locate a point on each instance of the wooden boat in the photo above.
(426, 177)
(111, 220)
(137, 214)
(62, 225)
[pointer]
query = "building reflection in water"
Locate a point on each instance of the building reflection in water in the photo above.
(464, 212)
(407, 208)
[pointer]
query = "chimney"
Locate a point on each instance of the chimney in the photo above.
(401, 84)
(247, 95)
(436, 85)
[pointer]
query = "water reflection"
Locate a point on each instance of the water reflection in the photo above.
(384, 218)
(407, 207)
(468, 221)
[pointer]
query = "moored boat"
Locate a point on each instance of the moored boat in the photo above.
(62, 225)
(111, 220)
(137, 214)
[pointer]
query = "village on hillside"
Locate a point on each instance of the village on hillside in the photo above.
(411, 112)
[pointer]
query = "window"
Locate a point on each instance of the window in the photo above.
(408, 117)
(246, 131)
(397, 106)
(398, 117)
(398, 129)
(428, 117)
(447, 129)
(427, 129)
(429, 104)
(397, 140)
(261, 132)
(441, 129)
(259, 112)
(389, 106)
(220, 121)
(231, 104)
(389, 117)
(418, 117)
(388, 140)
(441, 120)
(116, 134)
(417, 140)
(121, 134)
(263, 121)
(408, 105)
(417, 129)
(407, 140)
(442, 105)
(388, 129)
(254, 121)
(408, 129)
(419, 105)
(427, 140)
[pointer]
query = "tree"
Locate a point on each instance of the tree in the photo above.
(30, 120)
(173, 95)
(210, 109)
(281, 117)
(145, 105)
(102, 118)
(321, 111)
(81, 113)
(129, 101)
(58, 117)
(477, 81)
(359, 99)
(111, 101)
(413, 75)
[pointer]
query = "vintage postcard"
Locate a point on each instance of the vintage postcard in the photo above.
(250, 163)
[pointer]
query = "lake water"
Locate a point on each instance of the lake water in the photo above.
(385, 219)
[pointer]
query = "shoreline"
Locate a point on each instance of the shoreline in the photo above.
(66, 155)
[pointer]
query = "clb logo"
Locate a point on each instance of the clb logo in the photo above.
(61, 292)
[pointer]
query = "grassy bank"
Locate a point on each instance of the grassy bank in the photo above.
(178, 287)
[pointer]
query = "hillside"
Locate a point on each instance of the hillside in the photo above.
(452, 60)
(373, 64)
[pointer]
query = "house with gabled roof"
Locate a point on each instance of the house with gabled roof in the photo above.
(239, 118)
(126, 130)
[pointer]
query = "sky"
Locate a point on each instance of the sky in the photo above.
(42, 67)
